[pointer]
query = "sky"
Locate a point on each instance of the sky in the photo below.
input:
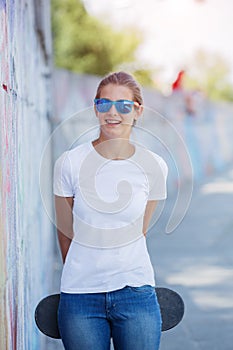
(173, 29)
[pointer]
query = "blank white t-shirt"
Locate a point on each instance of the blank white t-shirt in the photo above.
(108, 250)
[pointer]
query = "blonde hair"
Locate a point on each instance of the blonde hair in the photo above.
(124, 79)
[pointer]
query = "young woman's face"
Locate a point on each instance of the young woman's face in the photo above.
(113, 123)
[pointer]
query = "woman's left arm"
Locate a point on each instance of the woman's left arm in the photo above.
(150, 207)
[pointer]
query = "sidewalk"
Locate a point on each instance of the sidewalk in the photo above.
(196, 260)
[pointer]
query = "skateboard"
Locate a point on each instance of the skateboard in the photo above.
(171, 306)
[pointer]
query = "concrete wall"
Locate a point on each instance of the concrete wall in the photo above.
(26, 236)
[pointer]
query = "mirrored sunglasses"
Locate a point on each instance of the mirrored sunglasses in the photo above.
(103, 105)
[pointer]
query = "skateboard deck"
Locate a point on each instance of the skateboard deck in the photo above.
(171, 306)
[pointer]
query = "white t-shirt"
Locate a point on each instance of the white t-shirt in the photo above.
(108, 250)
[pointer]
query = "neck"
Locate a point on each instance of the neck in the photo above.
(114, 148)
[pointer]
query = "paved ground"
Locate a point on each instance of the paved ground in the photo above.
(197, 261)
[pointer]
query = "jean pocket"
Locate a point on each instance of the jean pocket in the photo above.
(142, 289)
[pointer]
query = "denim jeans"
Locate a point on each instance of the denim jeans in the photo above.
(131, 316)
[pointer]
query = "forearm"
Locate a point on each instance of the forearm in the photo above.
(150, 207)
(64, 243)
(64, 223)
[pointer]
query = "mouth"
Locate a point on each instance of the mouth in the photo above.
(112, 121)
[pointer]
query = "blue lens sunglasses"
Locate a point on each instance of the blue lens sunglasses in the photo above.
(103, 105)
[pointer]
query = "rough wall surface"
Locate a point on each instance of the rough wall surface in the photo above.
(25, 106)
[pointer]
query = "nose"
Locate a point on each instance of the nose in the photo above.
(113, 110)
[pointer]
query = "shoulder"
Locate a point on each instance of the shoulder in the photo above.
(152, 160)
(79, 151)
(70, 161)
(160, 161)
(74, 154)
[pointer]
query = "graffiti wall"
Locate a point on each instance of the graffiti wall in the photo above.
(26, 237)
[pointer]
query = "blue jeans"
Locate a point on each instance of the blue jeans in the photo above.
(131, 316)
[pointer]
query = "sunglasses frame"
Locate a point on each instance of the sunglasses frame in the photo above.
(115, 103)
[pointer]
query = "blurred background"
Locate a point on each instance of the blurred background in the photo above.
(52, 56)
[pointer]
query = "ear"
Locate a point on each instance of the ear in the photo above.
(96, 112)
(138, 112)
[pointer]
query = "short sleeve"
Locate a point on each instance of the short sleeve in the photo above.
(158, 191)
(62, 177)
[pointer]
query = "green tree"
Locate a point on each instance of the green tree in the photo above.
(84, 44)
(210, 73)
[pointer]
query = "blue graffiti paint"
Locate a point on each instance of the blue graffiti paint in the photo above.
(12, 18)
(3, 5)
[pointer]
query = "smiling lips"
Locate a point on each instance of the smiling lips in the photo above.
(112, 121)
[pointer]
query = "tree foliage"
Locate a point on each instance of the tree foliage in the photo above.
(210, 73)
(84, 44)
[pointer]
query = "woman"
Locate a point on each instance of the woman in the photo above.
(105, 194)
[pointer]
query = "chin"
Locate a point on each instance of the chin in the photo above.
(115, 132)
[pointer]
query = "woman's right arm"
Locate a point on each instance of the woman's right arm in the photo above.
(64, 223)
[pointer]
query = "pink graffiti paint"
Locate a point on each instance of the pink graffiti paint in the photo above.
(8, 181)
(4, 86)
